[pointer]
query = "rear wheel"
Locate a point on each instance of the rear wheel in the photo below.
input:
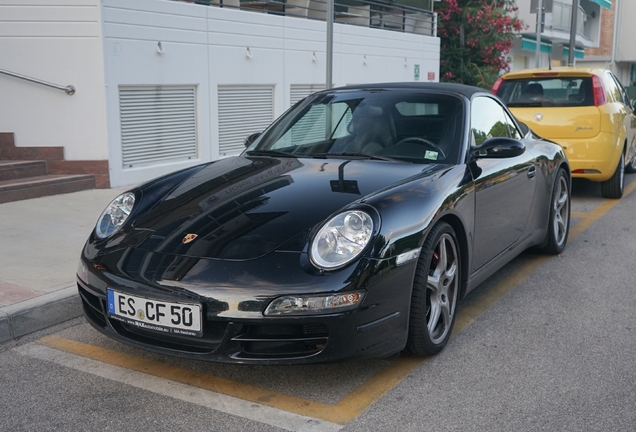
(435, 292)
(559, 222)
(613, 188)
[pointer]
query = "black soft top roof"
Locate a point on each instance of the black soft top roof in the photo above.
(461, 89)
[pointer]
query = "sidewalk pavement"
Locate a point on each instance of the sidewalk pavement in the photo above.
(40, 244)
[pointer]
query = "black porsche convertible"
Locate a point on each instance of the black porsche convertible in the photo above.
(349, 228)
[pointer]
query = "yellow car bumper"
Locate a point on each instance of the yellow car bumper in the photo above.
(595, 159)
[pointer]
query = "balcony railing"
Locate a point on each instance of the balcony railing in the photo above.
(366, 13)
(562, 18)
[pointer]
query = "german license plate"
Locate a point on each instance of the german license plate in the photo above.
(161, 316)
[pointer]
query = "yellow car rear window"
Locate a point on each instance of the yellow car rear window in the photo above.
(553, 91)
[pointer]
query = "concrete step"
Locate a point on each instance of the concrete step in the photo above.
(45, 185)
(15, 169)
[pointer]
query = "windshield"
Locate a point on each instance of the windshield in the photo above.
(404, 125)
(556, 91)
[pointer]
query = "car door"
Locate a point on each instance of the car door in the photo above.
(504, 188)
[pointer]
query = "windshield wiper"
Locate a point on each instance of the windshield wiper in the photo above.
(270, 153)
(354, 155)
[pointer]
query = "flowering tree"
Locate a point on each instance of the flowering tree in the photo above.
(476, 36)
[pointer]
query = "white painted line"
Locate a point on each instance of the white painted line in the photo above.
(195, 395)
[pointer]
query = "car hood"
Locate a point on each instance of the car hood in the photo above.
(245, 207)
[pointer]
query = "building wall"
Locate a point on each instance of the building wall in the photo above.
(208, 47)
(626, 49)
(98, 46)
(606, 39)
(59, 42)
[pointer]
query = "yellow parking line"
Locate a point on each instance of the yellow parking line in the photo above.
(356, 402)
(345, 410)
(589, 218)
(202, 380)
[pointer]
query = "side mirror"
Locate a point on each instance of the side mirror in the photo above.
(498, 148)
(250, 139)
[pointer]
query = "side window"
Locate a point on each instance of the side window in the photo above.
(488, 119)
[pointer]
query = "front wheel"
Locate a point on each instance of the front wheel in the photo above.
(613, 188)
(435, 292)
(559, 222)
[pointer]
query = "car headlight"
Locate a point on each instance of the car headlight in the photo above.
(341, 240)
(115, 215)
(314, 305)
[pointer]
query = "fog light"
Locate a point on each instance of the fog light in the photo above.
(314, 305)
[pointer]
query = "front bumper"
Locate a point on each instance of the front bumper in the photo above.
(234, 329)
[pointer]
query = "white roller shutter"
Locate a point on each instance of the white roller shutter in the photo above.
(157, 124)
(312, 127)
(301, 91)
(243, 110)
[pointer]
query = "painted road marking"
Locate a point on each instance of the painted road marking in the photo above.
(179, 390)
(356, 402)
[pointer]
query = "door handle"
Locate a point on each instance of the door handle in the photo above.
(532, 171)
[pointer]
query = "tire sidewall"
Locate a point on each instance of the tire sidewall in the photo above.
(419, 341)
(553, 246)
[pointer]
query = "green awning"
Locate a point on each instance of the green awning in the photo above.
(529, 43)
(604, 3)
(578, 52)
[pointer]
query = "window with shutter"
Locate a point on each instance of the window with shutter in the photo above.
(312, 127)
(157, 124)
(243, 110)
(301, 91)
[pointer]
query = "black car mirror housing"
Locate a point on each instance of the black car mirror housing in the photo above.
(251, 138)
(498, 148)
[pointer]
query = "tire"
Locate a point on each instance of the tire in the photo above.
(435, 292)
(559, 221)
(613, 188)
(631, 166)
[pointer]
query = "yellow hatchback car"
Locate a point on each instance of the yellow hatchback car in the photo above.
(585, 111)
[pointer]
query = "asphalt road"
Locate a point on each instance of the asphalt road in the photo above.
(545, 344)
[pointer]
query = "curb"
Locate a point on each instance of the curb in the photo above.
(38, 313)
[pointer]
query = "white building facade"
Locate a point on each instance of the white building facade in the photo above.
(162, 85)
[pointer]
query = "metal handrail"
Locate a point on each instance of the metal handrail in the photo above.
(69, 89)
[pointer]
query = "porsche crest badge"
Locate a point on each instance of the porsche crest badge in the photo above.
(188, 238)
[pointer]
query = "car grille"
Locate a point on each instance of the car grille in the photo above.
(93, 307)
(281, 341)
